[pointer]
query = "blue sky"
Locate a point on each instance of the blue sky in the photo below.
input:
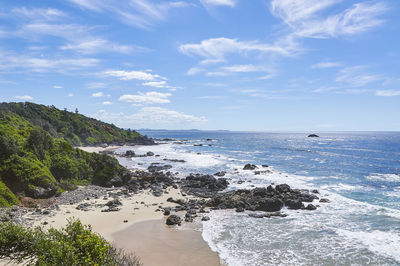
(274, 65)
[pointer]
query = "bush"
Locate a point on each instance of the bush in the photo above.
(76, 244)
(7, 198)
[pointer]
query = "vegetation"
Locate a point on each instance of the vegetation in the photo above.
(76, 244)
(37, 158)
(75, 128)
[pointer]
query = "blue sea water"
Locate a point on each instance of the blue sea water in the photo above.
(358, 171)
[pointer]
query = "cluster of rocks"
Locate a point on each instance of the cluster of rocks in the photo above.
(132, 154)
(79, 195)
(203, 186)
(153, 179)
(267, 200)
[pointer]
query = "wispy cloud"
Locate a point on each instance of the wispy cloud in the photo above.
(218, 48)
(57, 87)
(106, 103)
(98, 94)
(132, 75)
(146, 98)
(24, 98)
(306, 20)
(229, 3)
(11, 61)
(153, 117)
(387, 93)
(46, 14)
(137, 13)
(356, 76)
(97, 45)
(327, 65)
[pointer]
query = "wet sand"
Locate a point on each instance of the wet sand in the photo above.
(158, 244)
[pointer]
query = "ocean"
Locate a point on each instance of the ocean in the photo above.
(359, 172)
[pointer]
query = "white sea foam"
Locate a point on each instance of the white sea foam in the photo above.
(386, 243)
(384, 177)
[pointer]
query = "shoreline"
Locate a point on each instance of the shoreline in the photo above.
(138, 213)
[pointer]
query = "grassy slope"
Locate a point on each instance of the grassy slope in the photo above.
(37, 158)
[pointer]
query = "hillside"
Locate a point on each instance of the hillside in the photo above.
(37, 157)
(75, 128)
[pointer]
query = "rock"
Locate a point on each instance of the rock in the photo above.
(130, 154)
(125, 221)
(46, 212)
(315, 191)
(167, 212)
(220, 174)
(323, 200)
(42, 193)
(264, 165)
(294, 204)
(116, 182)
(198, 145)
(282, 188)
(203, 185)
(239, 209)
(83, 206)
(205, 218)
(157, 168)
(114, 203)
(270, 205)
(173, 220)
(257, 215)
(149, 153)
(249, 167)
(313, 136)
(310, 207)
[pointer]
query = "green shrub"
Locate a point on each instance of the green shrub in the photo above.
(7, 198)
(19, 172)
(76, 244)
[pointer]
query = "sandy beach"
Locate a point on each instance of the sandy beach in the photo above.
(139, 227)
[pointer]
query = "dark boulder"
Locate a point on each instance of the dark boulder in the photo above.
(310, 207)
(220, 174)
(149, 153)
(249, 167)
(269, 205)
(173, 220)
(294, 204)
(313, 136)
(130, 154)
(205, 218)
(116, 182)
(282, 188)
(323, 200)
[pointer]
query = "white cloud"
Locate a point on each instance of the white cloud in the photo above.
(137, 13)
(97, 45)
(356, 76)
(57, 87)
(107, 103)
(39, 13)
(70, 95)
(146, 98)
(387, 93)
(327, 65)
(159, 84)
(304, 18)
(230, 3)
(218, 48)
(96, 85)
(24, 98)
(129, 75)
(243, 68)
(152, 117)
(97, 94)
(12, 61)
(195, 70)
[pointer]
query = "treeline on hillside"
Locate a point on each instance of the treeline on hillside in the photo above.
(34, 163)
(75, 128)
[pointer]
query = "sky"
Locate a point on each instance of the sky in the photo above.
(248, 65)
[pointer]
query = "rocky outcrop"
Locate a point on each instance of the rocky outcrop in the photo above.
(249, 167)
(204, 186)
(313, 136)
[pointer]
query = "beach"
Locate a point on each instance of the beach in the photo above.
(138, 227)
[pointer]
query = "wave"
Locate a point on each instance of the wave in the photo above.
(384, 177)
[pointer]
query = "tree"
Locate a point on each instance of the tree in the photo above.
(76, 111)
